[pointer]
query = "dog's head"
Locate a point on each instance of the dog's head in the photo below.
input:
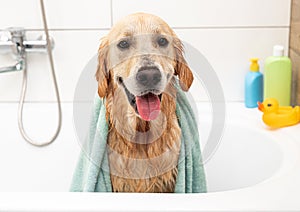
(141, 54)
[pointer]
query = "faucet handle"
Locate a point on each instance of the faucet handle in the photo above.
(16, 32)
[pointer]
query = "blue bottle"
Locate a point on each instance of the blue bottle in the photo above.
(253, 85)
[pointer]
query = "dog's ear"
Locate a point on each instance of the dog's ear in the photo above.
(182, 69)
(102, 73)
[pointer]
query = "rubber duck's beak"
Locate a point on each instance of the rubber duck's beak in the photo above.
(261, 106)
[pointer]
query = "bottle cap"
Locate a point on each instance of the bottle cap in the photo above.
(254, 65)
(278, 51)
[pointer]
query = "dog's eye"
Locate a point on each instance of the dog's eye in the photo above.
(123, 44)
(162, 42)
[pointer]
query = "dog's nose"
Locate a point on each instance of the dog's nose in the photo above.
(148, 76)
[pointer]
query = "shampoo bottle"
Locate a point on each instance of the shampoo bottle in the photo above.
(253, 85)
(278, 77)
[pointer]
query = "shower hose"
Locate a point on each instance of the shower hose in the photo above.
(24, 86)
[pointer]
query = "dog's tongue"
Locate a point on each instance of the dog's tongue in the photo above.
(148, 106)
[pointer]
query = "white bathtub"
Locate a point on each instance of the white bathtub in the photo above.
(253, 168)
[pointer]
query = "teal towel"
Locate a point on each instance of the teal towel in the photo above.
(92, 171)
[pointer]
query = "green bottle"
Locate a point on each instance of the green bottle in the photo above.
(278, 77)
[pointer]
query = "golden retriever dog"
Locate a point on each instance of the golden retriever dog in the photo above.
(138, 63)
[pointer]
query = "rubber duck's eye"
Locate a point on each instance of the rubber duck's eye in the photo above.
(269, 105)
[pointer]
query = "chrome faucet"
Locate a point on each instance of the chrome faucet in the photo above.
(14, 43)
(13, 40)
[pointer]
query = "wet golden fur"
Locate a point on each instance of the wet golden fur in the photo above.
(158, 171)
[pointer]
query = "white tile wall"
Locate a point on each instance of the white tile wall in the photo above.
(66, 14)
(228, 51)
(228, 33)
(213, 13)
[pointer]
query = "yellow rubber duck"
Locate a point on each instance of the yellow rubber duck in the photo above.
(278, 116)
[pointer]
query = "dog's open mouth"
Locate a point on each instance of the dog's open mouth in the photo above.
(146, 105)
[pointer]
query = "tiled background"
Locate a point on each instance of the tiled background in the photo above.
(227, 33)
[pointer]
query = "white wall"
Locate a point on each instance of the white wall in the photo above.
(227, 33)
